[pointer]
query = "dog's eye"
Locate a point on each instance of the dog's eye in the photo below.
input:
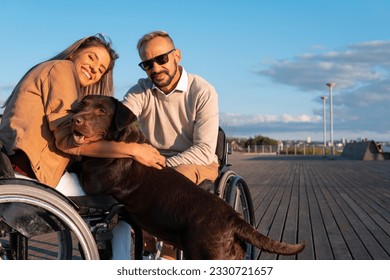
(101, 110)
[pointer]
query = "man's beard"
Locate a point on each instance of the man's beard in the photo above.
(162, 84)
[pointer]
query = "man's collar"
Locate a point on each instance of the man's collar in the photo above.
(182, 85)
(183, 82)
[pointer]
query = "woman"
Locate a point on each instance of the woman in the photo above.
(34, 130)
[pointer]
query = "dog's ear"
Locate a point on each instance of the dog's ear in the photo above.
(123, 116)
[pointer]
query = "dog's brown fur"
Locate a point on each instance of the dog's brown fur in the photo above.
(164, 202)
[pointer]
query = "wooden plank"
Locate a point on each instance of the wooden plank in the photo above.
(318, 212)
(262, 194)
(361, 221)
(327, 207)
(344, 216)
(341, 207)
(305, 225)
(374, 220)
(273, 218)
(290, 233)
(278, 227)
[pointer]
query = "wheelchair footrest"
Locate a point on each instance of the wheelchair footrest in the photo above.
(102, 234)
(103, 237)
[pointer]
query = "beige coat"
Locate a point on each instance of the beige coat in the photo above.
(37, 117)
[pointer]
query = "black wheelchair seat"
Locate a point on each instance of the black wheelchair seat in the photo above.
(94, 205)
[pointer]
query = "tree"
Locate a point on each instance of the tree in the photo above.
(260, 140)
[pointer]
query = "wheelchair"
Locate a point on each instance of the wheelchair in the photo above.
(38, 222)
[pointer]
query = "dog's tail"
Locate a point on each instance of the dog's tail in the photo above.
(248, 234)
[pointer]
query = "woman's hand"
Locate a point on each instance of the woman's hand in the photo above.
(147, 155)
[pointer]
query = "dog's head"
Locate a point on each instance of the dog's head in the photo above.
(99, 117)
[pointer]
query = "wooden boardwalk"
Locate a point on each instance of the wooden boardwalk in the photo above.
(341, 208)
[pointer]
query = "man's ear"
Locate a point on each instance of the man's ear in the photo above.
(123, 116)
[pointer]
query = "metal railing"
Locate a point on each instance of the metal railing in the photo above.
(306, 149)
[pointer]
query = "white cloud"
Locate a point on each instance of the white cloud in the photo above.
(360, 63)
(237, 119)
(361, 97)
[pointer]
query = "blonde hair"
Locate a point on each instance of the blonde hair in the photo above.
(105, 86)
(149, 36)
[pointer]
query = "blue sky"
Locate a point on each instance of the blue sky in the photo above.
(268, 60)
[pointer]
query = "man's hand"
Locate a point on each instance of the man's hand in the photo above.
(143, 153)
(148, 155)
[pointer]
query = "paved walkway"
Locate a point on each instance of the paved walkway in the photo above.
(340, 207)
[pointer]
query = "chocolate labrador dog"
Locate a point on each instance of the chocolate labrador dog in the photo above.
(163, 202)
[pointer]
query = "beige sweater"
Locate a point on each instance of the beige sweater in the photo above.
(36, 118)
(183, 125)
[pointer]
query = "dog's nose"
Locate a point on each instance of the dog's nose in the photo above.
(77, 120)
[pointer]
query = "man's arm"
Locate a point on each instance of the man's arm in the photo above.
(205, 133)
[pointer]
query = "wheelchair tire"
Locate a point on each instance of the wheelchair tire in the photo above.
(57, 212)
(234, 190)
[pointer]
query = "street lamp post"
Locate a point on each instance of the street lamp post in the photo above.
(324, 117)
(331, 85)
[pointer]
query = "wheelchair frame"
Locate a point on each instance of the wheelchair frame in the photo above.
(30, 211)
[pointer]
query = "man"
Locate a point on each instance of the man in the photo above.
(177, 111)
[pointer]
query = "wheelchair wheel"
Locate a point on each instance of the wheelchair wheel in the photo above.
(234, 190)
(36, 222)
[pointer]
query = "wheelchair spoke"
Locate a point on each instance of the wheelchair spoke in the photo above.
(234, 190)
(38, 223)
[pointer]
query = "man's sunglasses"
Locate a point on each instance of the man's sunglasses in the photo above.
(160, 60)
